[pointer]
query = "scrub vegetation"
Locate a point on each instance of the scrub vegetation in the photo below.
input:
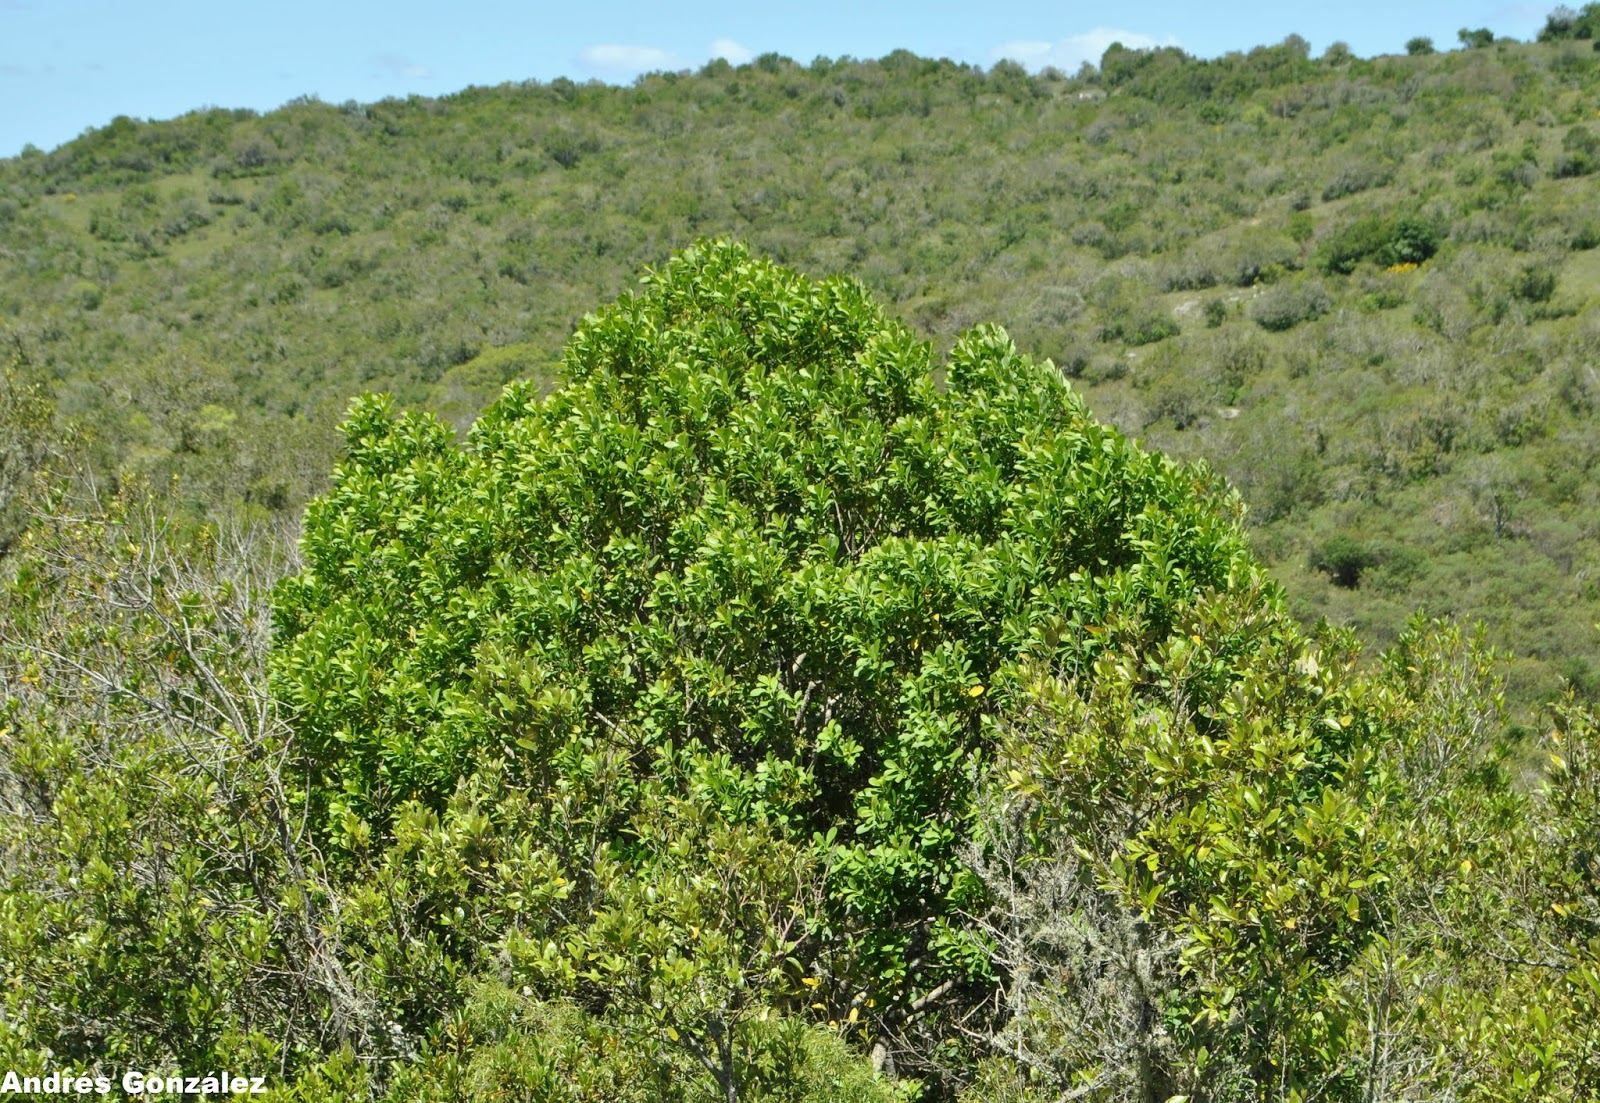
(1040, 662)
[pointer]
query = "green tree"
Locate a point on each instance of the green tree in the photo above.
(1565, 23)
(749, 552)
(1385, 240)
(1344, 559)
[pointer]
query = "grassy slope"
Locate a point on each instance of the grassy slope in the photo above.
(208, 292)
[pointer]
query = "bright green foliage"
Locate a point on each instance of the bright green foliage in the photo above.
(162, 908)
(1483, 982)
(750, 554)
(759, 701)
(1266, 875)
(502, 1044)
(1567, 841)
(659, 970)
(1218, 806)
(206, 293)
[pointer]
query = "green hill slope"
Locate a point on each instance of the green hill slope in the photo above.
(1361, 288)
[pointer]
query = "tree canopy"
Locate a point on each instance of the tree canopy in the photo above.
(752, 552)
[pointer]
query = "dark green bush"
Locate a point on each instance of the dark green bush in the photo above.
(1535, 283)
(1385, 240)
(1411, 241)
(1580, 153)
(1141, 328)
(1565, 23)
(1342, 250)
(1344, 558)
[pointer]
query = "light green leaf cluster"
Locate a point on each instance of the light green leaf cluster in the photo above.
(1299, 880)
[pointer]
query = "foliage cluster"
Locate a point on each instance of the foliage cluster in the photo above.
(749, 556)
(1565, 23)
(1382, 240)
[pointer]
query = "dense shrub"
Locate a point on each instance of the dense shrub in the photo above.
(1385, 240)
(749, 560)
(1535, 283)
(1140, 328)
(1286, 305)
(1580, 153)
(1129, 314)
(1344, 558)
(770, 715)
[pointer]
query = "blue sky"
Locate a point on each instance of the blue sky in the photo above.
(66, 65)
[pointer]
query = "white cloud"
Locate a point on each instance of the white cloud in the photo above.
(627, 60)
(1071, 52)
(1535, 12)
(404, 68)
(735, 52)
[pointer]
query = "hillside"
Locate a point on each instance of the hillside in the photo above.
(1209, 249)
(727, 666)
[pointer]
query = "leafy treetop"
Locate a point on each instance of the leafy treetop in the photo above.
(753, 546)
